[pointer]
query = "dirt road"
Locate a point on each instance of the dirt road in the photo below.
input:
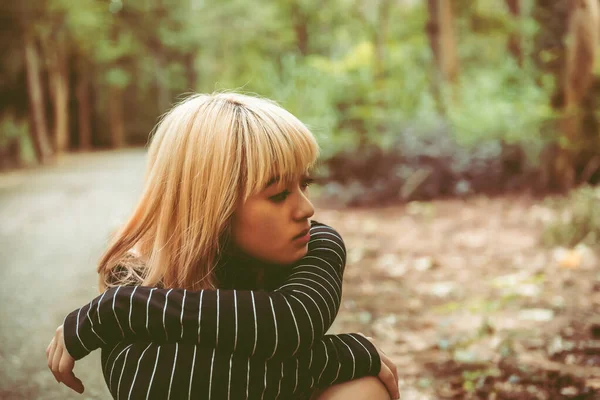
(54, 225)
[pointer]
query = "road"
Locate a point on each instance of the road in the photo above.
(55, 223)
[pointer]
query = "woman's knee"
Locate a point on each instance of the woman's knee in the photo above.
(367, 388)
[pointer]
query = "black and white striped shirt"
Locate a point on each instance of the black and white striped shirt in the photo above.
(227, 343)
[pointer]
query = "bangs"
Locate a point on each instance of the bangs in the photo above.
(277, 147)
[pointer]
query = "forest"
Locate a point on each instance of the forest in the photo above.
(460, 158)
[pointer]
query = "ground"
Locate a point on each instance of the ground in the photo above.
(461, 294)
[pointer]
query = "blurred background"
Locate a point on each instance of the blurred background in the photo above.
(460, 153)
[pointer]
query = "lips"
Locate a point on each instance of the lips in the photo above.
(302, 234)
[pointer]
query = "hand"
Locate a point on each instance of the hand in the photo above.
(388, 374)
(61, 363)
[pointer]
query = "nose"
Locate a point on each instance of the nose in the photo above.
(304, 209)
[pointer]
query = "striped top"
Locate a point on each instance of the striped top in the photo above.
(227, 343)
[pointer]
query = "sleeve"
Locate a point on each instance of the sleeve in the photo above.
(341, 358)
(191, 371)
(254, 323)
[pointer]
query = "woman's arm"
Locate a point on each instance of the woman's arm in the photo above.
(190, 370)
(251, 323)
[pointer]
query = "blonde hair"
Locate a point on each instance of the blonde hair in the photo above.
(207, 156)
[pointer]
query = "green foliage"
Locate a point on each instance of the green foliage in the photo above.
(13, 130)
(360, 75)
(502, 103)
(577, 221)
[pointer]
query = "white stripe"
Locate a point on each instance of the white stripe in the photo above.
(324, 288)
(316, 305)
(217, 333)
(265, 385)
(236, 319)
(121, 376)
(112, 369)
(314, 235)
(148, 309)
(192, 373)
(297, 368)
(212, 361)
(296, 324)
(338, 270)
(255, 323)
(77, 332)
(312, 328)
(114, 312)
(136, 370)
(131, 308)
(352, 354)
(98, 308)
(248, 379)
(153, 372)
(335, 288)
(314, 290)
(113, 366)
(108, 358)
(279, 386)
(338, 372)
(182, 308)
(200, 315)
(229, 382)
(165, 312)
(276, 331)
(329, 240)
(369, 354)
(173, 370)
(311, 357)
(92, 324)
(326, 362)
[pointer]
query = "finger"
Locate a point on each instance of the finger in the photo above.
(387, 377)
(50, 352)
(56, 363)
(390, 364)
(68, 377)
(50, 357)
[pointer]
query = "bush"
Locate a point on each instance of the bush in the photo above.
(577, 221)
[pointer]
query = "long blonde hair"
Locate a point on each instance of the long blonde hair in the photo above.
(208, 154)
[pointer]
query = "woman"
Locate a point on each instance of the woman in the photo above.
(219, 285)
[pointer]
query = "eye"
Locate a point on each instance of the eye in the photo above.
(280, 197)
(306, 183)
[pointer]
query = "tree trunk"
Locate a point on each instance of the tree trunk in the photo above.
(162, 86)
(514, 40)
(59, 81)
(39, 129)
(581, 48)
(441, 38)
(84, 116)
(300, 22)
(117, 123)
(190, 70)
(381, 38)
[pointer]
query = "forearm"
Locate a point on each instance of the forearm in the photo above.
(129, 369)
(340, 358)
(278, 323)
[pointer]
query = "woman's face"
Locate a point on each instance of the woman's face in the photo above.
(271, 225)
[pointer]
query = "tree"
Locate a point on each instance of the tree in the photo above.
(581, 49)
(514, 40)
(39, 128)
(440, 30)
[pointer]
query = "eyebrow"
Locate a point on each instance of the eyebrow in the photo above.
(277, 178)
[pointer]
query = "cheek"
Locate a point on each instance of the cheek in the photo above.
(258, 232)
(261, 233)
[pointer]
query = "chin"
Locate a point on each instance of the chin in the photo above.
(295, 256)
